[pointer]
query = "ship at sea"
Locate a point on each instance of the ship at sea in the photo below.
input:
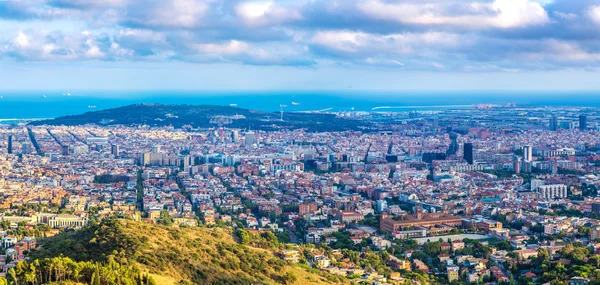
(295, 103)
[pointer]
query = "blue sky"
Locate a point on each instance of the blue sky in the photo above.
(300, 44)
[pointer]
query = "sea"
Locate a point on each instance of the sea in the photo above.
(51, 104)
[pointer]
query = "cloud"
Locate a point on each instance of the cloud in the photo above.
(501, 35)
(260, 13)
(167, 14)
(410, 50)
(594, 14)
(474, 15)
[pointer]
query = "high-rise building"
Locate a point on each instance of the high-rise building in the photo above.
(517, 165)
(235, 136)
(114, 150)
(582, 122)
(249, 137)
(468, 152)
(527, 153)
(9, 150)
(553, 191)
(553, 125)
(65, 150)
(26, 148)
(567, 125)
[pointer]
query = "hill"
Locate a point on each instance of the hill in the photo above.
(176, 255)
(205, 116)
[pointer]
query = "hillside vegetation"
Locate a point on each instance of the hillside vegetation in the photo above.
(199, 116)
(171, 256)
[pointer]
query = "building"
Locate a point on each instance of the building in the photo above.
(553, 191)
(536, 184)
(452, 274)
(596, 208)
(594, 233)
(114, 150)
(151, 158)
(249, 138)
(468, 152)
(64, 221)
(457, 245)
(321, 261)
(97, 140)
(9, 149)
(527, 153)
(419, 265)
(430, 220)
(26, 148)
(65, 150)
(307, 208)
(517, 165)
(235, 137)
(381, 205)
(553, 125)
(582, 122)
(481, 223)
(399, 264)
(350, 216)
(290, 255)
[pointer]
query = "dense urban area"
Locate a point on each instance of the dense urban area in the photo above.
(493, 194)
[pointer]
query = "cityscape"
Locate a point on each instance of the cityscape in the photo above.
(299, 142)
(473, 195)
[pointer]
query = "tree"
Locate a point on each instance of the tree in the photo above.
(289, 278)
(12, 273)
(244, 236)
(432, 248)
(165, 218)
(543, 256)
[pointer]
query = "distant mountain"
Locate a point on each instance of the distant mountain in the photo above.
(167, 255)
(205, 116)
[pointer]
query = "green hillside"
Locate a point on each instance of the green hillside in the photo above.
(200, 116)
(144, 253)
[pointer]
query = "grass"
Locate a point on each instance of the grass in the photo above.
(181, 255)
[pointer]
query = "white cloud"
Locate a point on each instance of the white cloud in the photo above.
(594, 14)
(366, 43)
(474, 15)
(260, 13)
(569, 51)
(565, 16)
(232, 47)
(168, 14)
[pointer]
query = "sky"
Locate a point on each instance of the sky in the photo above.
(428, 45)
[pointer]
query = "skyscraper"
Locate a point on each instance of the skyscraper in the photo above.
(114, 149)
(517, 165)
(582, 122)
(468, 152)
(9, 150)
(235, 136)
(553, 125)
(65, 150)
(249, 137)
(26, 148)
(527, 153)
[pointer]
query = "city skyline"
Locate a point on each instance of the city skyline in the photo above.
(299, 45)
